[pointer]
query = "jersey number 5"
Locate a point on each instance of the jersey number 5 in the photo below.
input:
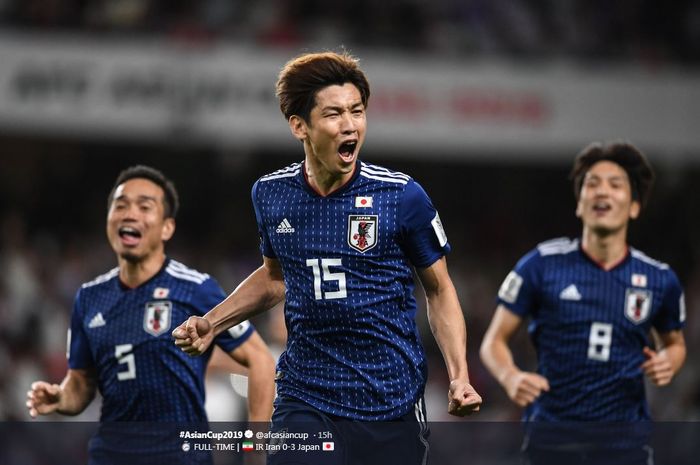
(123, 354)
(599, 341)
(321, 269)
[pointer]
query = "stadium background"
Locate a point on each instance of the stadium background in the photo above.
(485, 103)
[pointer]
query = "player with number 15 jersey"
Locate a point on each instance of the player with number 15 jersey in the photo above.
(354, 349)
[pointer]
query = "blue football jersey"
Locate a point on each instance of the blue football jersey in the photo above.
(124, 336)
(353, 348)
(589, 327)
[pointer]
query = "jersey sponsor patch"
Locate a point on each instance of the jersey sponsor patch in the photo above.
(637, 305)
(156, 318)
(362, 232)
(511, 287)
(570, 293)
(439, 230)
(285, 227)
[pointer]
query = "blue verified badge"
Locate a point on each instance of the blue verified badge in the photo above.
(156, 318)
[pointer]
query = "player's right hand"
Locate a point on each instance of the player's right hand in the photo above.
(43, 398)
(194, 336)
(524, 387)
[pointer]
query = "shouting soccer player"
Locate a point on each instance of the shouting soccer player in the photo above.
(592, 303)
(120, 341)
(339, 239)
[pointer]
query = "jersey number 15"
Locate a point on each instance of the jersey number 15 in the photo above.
(321, 270)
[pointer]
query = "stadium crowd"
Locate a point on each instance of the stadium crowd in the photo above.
(646, 32)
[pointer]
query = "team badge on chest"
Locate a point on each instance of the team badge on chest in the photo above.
(362, 232)
(637, 305)
(156, 318)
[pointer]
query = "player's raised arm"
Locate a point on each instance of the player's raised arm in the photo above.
(448, 327)
(522, 387)
(260, 291)
(71, 397)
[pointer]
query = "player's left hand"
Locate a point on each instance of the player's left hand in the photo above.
(657, 367)
(462, 399)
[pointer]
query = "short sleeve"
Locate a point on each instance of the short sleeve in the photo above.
(423, 237)
(518, 293)
(79, 354)
(265, 244)
(671, 316)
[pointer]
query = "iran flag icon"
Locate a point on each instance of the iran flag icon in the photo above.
(328, 446)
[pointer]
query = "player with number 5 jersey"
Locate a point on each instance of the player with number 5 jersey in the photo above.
(120, 343)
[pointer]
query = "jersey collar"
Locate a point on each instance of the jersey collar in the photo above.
(622, 261)
(126, 288)
(305, 182)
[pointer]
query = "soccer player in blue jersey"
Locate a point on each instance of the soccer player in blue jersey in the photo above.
(120, 343)
(592, 303)
(340, 239)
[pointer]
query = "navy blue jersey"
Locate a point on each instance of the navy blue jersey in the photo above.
(124, 336)
(589, 327)
(353, 349)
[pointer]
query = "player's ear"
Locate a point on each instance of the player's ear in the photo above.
(168, 229)
(579, 208)
(298, 127)
(635, 209)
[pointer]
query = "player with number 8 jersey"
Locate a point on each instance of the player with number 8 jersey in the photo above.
(592, 302)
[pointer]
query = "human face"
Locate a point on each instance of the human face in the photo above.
(605, 203)
(136, 227)
(334, 133)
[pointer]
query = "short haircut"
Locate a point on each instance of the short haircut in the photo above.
(302, 77)
(630, 158)
(171, 202)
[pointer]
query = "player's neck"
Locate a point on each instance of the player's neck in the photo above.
(134, 273)
(606, 250)
(322, 181)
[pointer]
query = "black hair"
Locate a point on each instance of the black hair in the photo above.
(630, 158)
(171, 202)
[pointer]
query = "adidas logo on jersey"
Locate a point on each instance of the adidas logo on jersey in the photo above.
(570, 293)
(97, 321)
(285, 227)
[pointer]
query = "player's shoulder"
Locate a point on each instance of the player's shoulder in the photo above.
(557, 246)
(182, 273)
(546, 251)
(101, 280)
(381, 174)
(646, 260)
(283, 173)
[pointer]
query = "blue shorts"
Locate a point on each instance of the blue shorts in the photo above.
(301, 434)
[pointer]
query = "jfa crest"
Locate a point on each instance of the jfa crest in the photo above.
(156, 318)
(362, 232)
(637, 305)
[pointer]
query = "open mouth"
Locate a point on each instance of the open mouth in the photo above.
(129, 235)
(346, 151)
(601, 207)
